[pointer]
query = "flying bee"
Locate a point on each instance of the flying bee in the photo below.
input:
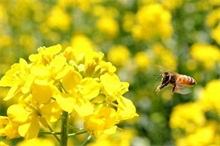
(176, 80)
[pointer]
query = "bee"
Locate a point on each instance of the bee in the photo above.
(176, 80)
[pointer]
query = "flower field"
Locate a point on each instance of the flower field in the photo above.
(84, 72)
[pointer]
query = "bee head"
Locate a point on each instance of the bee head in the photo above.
(166, 77)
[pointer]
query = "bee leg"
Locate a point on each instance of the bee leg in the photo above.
(161, 86)
(158, 89)
(174, 88)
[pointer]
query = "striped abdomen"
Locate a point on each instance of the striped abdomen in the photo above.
(185, 80)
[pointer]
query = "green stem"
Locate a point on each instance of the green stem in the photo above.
(64, 129)
(77, 133)
(54, 133)
(86, 141)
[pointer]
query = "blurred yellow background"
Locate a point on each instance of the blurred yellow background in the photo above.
(142, 38)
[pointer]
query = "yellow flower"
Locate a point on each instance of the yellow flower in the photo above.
(128, 21)
(36, 142)
(107, 26)
(125, 109)
(208, 55)
(76, 80)
(206, 135)
(164, 57)
(212, 21)
(142, 60)
(213, 17)
(6, 41)
(152, 21)
(41, 93)
(101, 121)
(51, 111)
(45, 55)
(59, 19)
(187, 117)
(172, 4)
(84, 5)
(18, 78)
(29, 117)
(193, 119)
(7, 128)
(115, 55)
(83, 48)
(210, 97)
(2, 143)
(26, 119)
(79, 92)
(120, 138)
(112, 87)
(215, 33)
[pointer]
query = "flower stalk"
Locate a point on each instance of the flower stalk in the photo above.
(64, 129)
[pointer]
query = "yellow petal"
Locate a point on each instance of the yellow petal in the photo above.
(26, 88)
(13, 92)
(82, 106)
(30, 129)
(51, 111)
(41, 93)
(90, 88)
(126, 109)
(36, 142)
(71, 80)
(111, 130)
(16, 113)
(65, 102)
(11, 131)
(112, 87)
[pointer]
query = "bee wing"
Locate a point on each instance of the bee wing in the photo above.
(182, 90)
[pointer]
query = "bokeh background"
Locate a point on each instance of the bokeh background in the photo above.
(142, 38)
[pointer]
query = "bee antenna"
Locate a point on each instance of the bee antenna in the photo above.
(157, 76)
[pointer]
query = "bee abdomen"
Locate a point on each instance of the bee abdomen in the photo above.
(187, 80)
(192, 81)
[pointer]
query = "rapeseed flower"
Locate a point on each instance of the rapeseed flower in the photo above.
(205, 135)
(57, 82)
(213, 18)
(182, 117)
(215, 33)
(212, 21)
(208, 55)
(209, 99)
(142, 60)
(58, 19)
(112, 87)
(153, 21)
(36, 142)
(101, 121)
(164, 57)
(197, 123)
(172, 4)
(128, 21)
(7, 128)
(108, 26)
(120, 138)
(115, 57)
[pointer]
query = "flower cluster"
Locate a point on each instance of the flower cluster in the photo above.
(198, 122)
(152, 21)
(208, 55)
(213, 22)
(67, 80)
